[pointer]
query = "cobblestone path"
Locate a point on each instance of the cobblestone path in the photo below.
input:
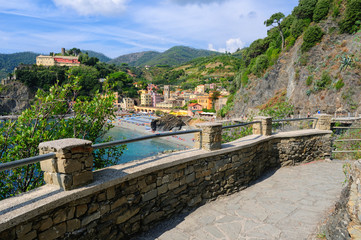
(286, 204)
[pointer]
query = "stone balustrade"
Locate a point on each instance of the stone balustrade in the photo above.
(123, 200)
(72, 166)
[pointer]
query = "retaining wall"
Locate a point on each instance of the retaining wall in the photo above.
(129, 198)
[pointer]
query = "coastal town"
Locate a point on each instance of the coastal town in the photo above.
(204, 101)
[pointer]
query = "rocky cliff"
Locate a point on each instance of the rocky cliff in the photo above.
(167, 123)
(312, 81)
(14, 98)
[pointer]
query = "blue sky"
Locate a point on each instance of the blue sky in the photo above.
(117, 27)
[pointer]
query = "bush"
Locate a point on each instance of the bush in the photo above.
(260, 65)
(352, 15)
(244, 78)
(309, 80)
(305, 9)
(321, 10)
(323, 82)
(304, 59)
(313, 35)
(290, 41)
(339, 84)
(298, 26)
(272, 54)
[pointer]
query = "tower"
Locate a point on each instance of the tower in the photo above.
(166, 93)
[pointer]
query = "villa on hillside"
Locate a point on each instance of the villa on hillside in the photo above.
(57, 60)
(194, 108)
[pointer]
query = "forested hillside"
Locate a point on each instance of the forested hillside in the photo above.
(172, 57)
(9, 61)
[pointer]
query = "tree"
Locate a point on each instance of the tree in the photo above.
(214, 97)
(321, 10)
(313, 35)
(351, 21)
(305, 9)
(277, 18)
(87, 79)
(46, 120)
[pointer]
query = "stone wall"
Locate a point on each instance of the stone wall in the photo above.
(129, 198)
(353, 205)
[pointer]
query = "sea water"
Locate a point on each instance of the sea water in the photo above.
(141, 149)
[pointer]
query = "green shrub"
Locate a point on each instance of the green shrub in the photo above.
(309, 80)
(303, 59)
(336, 12)
(290, 41)
(305, 9)
(313, 35)
(352, 15)
(321, 10)
(272, 54)
(260, 65)
(339, 84)
(324, 81)
(298, 26)
(244, 78)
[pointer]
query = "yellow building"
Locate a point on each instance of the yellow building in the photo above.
(57, 60)
(127, 104)
(145, 99)
(205, 101)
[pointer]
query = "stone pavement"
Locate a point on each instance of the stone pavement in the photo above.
(289, 203)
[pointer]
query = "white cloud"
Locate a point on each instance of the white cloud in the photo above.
(232, 45)
(199, 2)
(93, 7)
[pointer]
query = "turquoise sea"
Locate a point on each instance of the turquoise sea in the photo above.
(141, 149)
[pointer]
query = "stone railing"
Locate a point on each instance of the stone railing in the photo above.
(122, 200)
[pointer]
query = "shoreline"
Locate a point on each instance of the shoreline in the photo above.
(185, 140)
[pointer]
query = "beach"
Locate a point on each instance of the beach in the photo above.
(142, 125)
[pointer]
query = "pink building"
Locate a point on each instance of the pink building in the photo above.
(156, 98)
(194, 108)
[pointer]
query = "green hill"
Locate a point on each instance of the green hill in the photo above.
(135, 59)
(100, 56)
(179, 55)
(174, 56)
(9, 61)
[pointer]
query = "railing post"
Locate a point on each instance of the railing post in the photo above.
(72, 166)
(323, 122)
(263, 128)
(210, 138)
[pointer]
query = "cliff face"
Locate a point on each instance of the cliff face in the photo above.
(14, 98)
(293, 68)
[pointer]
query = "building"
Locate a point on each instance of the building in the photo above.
(156, 98)
(205, 101)
(127, 104)
(57, 60)
(194, 108)
(199, 89)
(220, 103)
(152, 88)
(166, 92)
(145, 99)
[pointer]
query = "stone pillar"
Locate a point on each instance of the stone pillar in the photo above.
(72, 166)
(265, 128)
(210, 138)
(323, 122)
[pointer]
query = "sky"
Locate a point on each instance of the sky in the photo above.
(118, 27)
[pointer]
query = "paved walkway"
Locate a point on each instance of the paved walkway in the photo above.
(287, 204)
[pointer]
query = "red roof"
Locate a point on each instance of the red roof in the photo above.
(193, 104)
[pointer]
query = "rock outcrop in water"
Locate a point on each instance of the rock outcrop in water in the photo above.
(167, 123)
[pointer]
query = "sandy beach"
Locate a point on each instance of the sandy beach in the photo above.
(186, 140)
